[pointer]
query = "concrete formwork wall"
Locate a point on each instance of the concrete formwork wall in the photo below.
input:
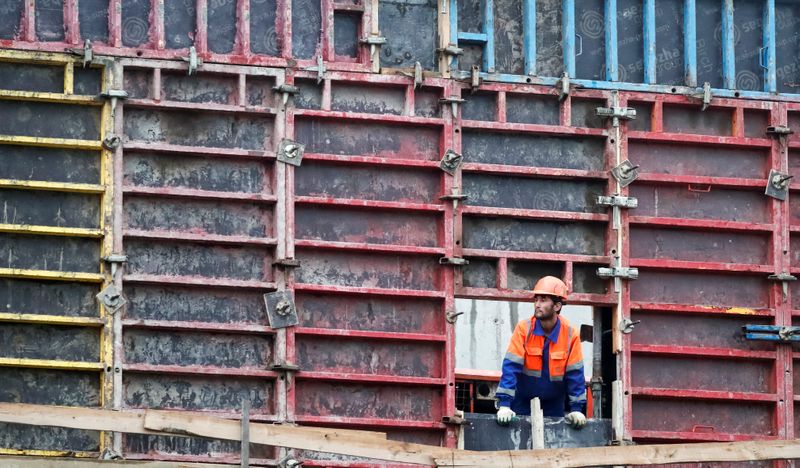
(193, 194)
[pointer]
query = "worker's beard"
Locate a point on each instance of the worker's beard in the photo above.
(544, 313)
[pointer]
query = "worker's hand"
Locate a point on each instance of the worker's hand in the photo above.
(576, 419)
(504, 415)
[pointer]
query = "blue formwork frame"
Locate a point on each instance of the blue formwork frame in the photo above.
(728, 46)
(768, 59)
(572, 45)
(485, 38)
(610, 20)
(690, 42)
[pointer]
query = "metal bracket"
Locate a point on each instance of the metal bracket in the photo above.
(281, 309)
(451, 52)
(784, 278)
(454, 420)
(450, 161)
(115, 260)
(455, 261)
(778, 184)
(779, 130)
(454, 101)
(291, 152)
(286, 91)
(115, 94)
(455, 196)
(771, 333)
(193, 61)
(111, 142)
(475, 78)
(111, 298)
(618, 201)
(625, 173)
(289, 462)
(110, 454)
(373, 41)
(286, 263)
(706, 95)
(618, 272)
(452, 316)
(563, 86)
(319, 68)
(86, 52)
(417, 74)
(627, 325)
(616, 114)
(285, 367)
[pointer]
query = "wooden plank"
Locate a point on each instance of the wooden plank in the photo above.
(337, 441)
(537, 424)
(52, 462)
(629, 455)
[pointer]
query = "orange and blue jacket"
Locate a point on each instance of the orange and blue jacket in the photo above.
(544, 365)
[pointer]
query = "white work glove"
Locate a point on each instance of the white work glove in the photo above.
(575, 418)
(504, 415)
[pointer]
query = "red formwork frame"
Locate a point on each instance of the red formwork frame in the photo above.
(155, 48)
(274, 198)
(782, 395)
(445, 246)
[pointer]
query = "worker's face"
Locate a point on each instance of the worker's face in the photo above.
(545, 308)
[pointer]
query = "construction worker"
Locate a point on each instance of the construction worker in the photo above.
(544, 360)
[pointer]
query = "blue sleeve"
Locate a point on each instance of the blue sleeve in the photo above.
(506, 389)
(576, 388)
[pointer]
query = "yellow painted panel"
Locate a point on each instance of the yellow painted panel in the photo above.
(51, 186)
(51, 275)
(50, 364)
(51, 142)
(46, 453)
(50, 97)
(9, 55)
(51, 319)
(50, 230)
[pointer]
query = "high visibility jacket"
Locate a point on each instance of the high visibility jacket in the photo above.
(544, 365)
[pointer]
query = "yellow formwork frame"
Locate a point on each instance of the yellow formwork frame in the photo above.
(106, 225)
(104, 232)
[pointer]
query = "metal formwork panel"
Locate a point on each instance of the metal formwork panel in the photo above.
(55, 229)
(706, 239)
(201, 226)
(528, 213)
(373, 345)
(264, 32)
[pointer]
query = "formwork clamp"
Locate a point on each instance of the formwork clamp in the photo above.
(563, 86)
(628, 273)
(455, 261)
(374, 41)
(616, 113)
(705, 96)
(617, 201)
(771, 333)
(778, 184)
(86, 52)
(417, 74)
(784, 278)
(454, 101)
(286, 90)
(319, 68)
(451, 161)
(193, 60)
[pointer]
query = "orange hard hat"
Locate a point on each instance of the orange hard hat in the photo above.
(551, 286)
